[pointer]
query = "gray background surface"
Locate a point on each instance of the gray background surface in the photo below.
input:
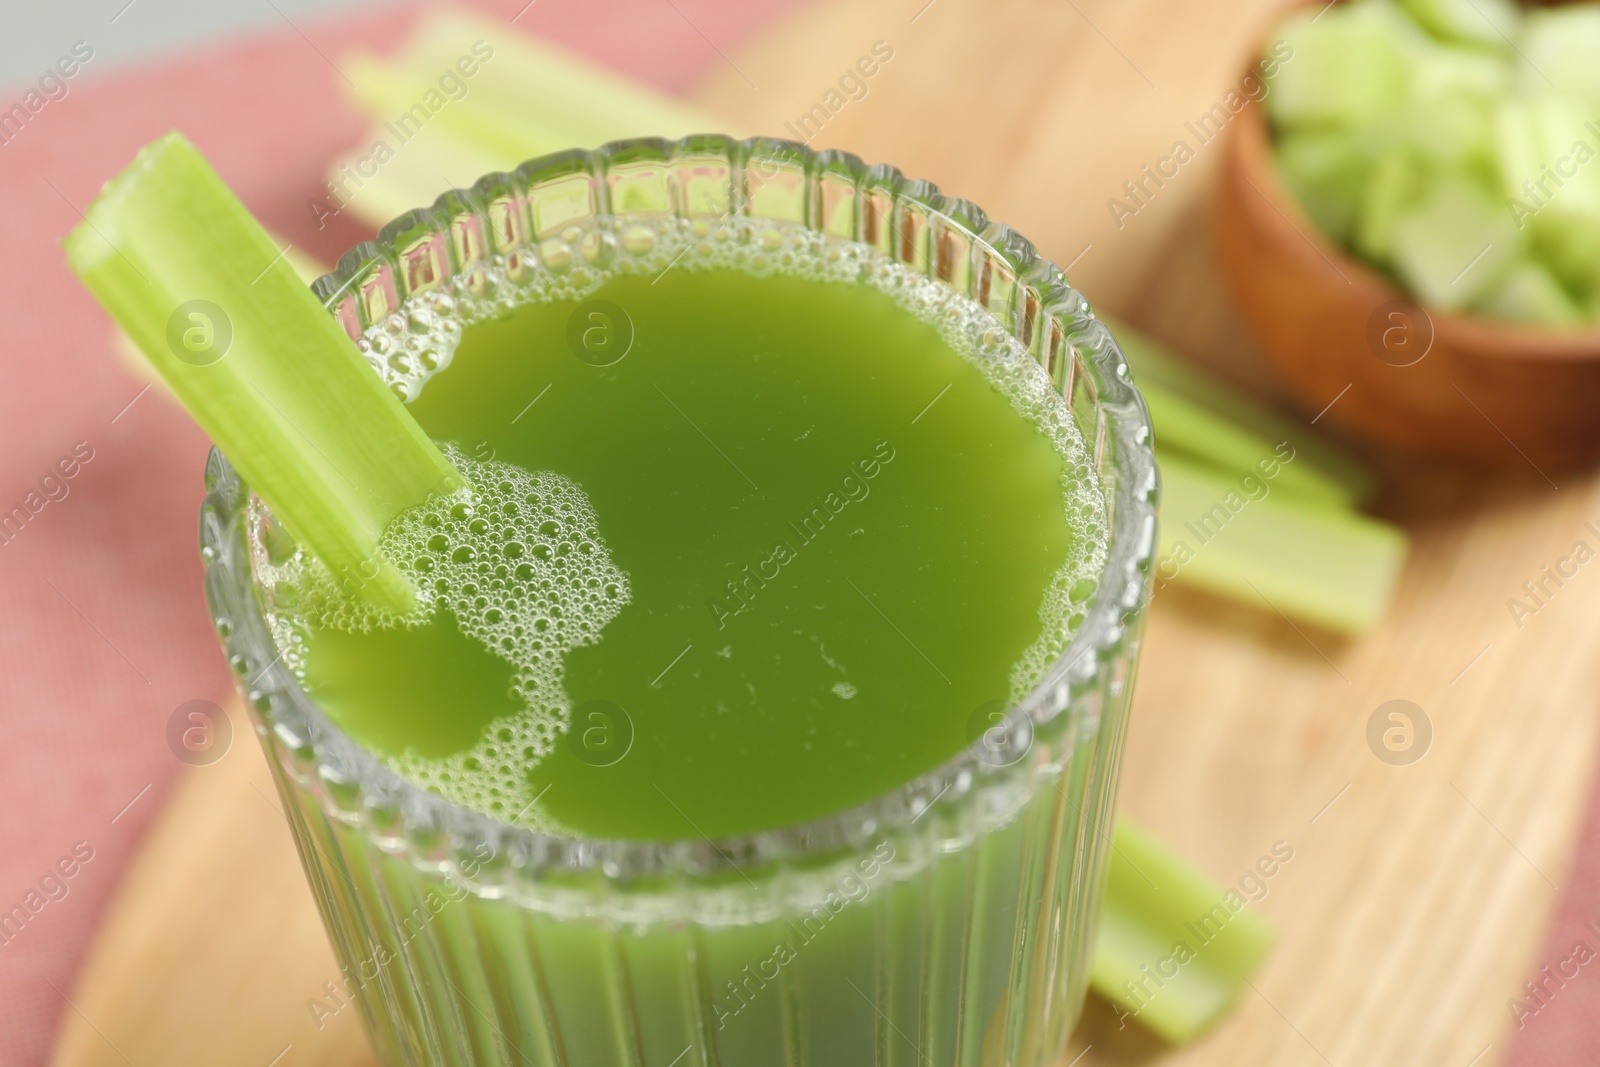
(34, 33)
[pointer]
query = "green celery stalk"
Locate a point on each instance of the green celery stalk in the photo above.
(1333, 567)
(1199, 433)
(387, 91)
(275, 382)
(548, 87)
(434, 161)
(1217, 423)
(524, 100)
(1174, 948)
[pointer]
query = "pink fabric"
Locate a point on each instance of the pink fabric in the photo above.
(103, 629)
(1561, 1024)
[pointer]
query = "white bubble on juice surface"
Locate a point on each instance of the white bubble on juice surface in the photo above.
(518, 559)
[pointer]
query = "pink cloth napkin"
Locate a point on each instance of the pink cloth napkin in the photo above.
(1559, 1023)
(103, 627)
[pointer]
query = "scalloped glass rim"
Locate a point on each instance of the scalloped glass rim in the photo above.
(506, 215)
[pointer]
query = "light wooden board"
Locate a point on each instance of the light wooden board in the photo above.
(214, 945)
(1417, 897)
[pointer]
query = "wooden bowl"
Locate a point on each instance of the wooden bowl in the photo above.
(1425, 381)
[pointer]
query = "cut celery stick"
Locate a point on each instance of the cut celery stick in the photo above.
(1445, 132)
(394, 96)
(1452, 246)
(1570, 132)
(262, 366)
(1561, 44)
(524, 99)
(1326, 173)
(1323, 470)
(1486, 23)
(1443, 72)
(527, 76)
(1351, 62)
(1520, 150)
(1529, 293)
(1184, 428)
(1546, 146)
(1396, 183)
(1175, 949)
(1565, 195)
(1247, 541)
(1559, 217)
(432, 162)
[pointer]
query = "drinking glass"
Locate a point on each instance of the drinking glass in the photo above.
(948, 923)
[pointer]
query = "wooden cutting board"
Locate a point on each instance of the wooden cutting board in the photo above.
(1418, 894)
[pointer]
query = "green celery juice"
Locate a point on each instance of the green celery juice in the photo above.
(749, 540)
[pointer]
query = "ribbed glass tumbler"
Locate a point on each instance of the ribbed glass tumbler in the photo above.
(947, 924)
